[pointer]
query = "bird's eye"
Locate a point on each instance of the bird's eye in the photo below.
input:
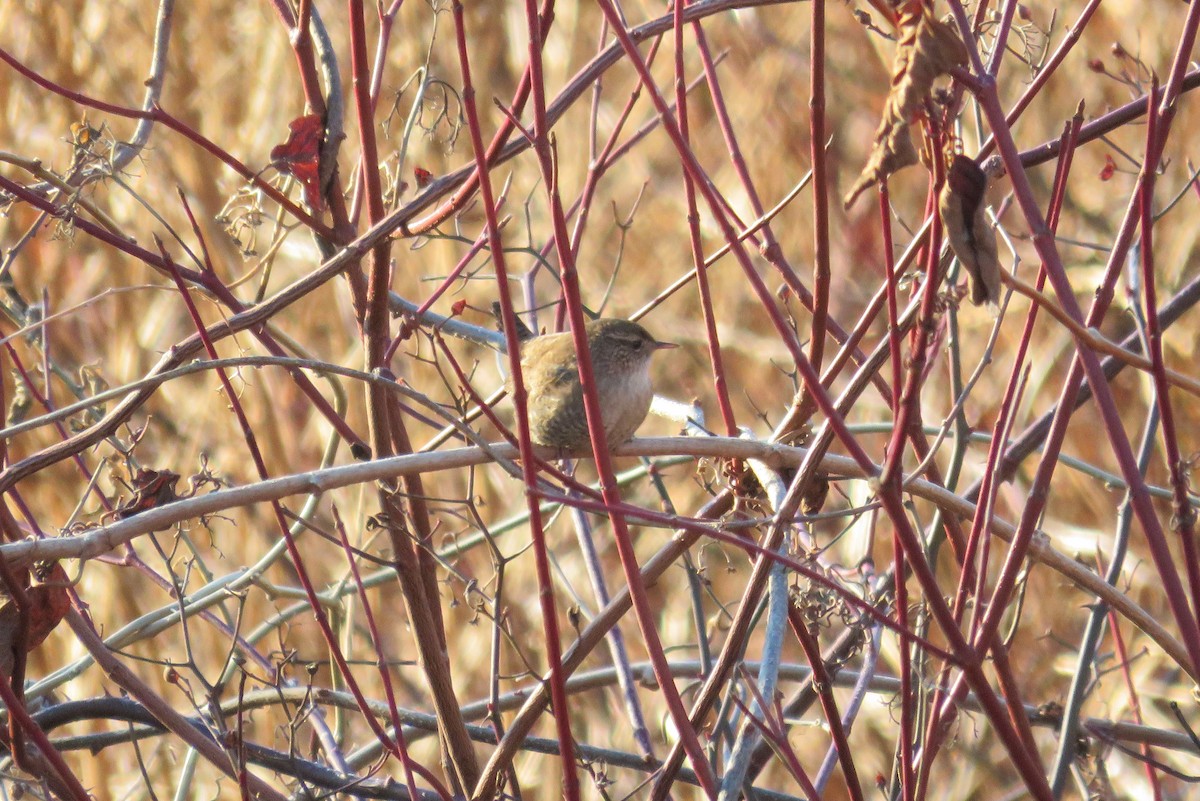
(638, 343)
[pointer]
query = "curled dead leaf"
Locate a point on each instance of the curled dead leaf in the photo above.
(48, 603)
(928, 48)
(152, 488)
(893, 151)
(971, 238)
(818, 492)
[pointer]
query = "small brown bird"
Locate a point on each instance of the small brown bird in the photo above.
(621, 352)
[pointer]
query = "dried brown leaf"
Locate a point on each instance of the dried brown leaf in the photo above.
(971, 238)
(48, 603)
(893, 151)
(818, 492)
(928, 48)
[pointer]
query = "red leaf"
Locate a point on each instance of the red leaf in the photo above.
(303, 143)
(458, 307)
(1110, 167)
(300, 156)
(423, 176)
(151, 488)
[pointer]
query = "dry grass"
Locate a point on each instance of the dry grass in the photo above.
(232, 77)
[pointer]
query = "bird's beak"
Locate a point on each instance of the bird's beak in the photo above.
(664, 345)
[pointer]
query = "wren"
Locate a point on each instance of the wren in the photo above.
(621, 352)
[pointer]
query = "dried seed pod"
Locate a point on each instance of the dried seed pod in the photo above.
(971, 238)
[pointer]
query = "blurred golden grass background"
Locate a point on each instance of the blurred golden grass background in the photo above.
(232, 77)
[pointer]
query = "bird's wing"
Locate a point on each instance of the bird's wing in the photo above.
(558, 387)
(564, 375)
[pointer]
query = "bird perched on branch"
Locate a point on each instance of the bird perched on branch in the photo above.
(621, 352)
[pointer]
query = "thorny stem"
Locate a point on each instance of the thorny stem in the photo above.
(1123, 659)
(892, 501)
(907, 778)
(415, 568)
(973, 574)
(1184, 519)
(54, 770)
(158, 114)
(643, 612)
(1122, 451)
(260, 467)
(1086, 665)
(381, 661)
(816, 124)
(720, 382)
(259, 313)
(823, 683)
(178, 725)
(995, 469)
(1039, 431)
(520, 401)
